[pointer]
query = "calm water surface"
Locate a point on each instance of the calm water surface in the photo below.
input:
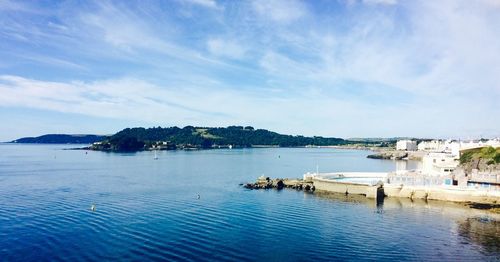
(148, 209)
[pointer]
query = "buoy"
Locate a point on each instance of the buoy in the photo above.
(92, 208)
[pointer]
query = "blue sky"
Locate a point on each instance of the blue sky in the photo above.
(372, 68)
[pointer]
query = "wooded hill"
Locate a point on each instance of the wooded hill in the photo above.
(135, 139)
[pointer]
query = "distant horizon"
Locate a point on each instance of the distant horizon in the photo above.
(346, 68)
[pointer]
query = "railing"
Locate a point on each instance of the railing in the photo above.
(487, 178)
(417, 179)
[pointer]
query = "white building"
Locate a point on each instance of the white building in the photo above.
(406, 145)
(454, 147)
(430, 146)
(439, 163)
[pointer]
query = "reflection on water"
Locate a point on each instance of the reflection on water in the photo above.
(475, 226)
(407, 164)
(482, 231)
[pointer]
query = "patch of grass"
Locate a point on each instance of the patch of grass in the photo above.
(204, 133)
(489, 154)
(466, 157)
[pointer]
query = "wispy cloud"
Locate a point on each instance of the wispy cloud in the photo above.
(226, 48)
(382, 2)
(283, 11)
(205, 3)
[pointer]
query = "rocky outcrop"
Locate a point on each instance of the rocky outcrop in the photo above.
(280, 183)
(481, 165)
(393, 155)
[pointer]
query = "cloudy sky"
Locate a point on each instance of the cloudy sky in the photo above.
(372, 68)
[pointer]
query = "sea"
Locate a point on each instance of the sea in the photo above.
(190, 206)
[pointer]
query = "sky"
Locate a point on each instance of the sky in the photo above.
(346, 68)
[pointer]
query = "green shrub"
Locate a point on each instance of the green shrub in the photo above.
(487, 152)
(496, 158)
(466, 157)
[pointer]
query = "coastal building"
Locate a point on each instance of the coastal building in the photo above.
(406, 145)
(163, 145)
(484, 180)
(454, 147)
(479, 143)
(439, 163)
(448, 146)
(430, 146)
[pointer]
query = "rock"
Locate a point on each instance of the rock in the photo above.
(389, 155)
(280, 184)
(263, 179)
(377, 156)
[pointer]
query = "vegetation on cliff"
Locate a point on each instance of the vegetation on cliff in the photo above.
(483, 159)
(489, 155)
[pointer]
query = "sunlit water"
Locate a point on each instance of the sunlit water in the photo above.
(149, 209)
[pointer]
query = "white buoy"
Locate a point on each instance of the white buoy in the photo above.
(92, 208)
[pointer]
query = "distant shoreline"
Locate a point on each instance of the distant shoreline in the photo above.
(191, 138)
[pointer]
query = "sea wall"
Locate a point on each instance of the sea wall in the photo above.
(443, 193)
(345, 187)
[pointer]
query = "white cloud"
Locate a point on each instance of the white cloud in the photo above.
(226, 48)
(283, 11)
(381, 2)
(301, 113)
(204, 3)
(137, 100)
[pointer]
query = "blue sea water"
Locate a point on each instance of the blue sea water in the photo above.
(149, 209)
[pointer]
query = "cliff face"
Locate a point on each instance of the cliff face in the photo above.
(484, 160)
(481, 165)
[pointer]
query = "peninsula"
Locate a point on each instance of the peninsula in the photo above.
(191, 137)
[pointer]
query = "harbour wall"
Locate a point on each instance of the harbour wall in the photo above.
(381, 190)
(444, 193)
(346, 187)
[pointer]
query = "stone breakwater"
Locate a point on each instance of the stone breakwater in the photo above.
(397, 155)
(280, 183)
